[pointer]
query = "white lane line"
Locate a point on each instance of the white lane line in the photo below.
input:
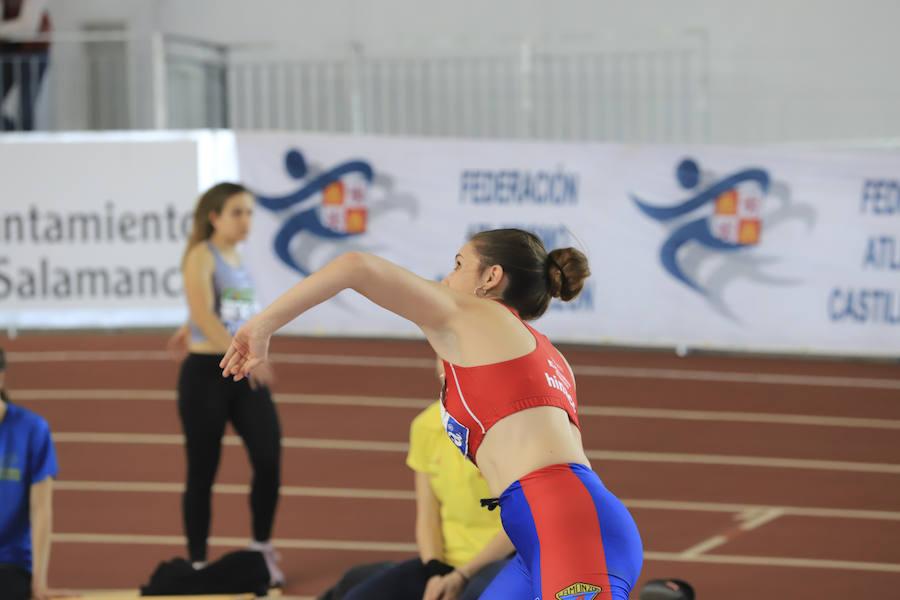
(335, 492)
(399, 362)
(739, 417)
(345, 400)
(745, 461)
(229, 488)
(135, 594)
(94, 395)
(327, 444)
(713, 542)
(651, 457)
(354, 360)
(797, 511)
(751, 519)
(761, 519)
(87, 355)
(175, 540)
(281, 398)
(588, 411)
(428, 363)
(228, 440)
(738, 377)
(774, 561)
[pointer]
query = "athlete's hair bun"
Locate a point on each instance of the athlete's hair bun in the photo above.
(567, 268)
(534, 276)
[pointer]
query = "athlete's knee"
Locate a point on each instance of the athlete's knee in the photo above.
(266, 472)
(197, 484)
(266, 464)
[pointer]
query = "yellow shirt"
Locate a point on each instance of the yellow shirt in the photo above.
(457, 484)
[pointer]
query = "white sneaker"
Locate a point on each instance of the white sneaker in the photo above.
(272, 556)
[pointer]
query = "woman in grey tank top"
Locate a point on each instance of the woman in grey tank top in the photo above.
(221, 298)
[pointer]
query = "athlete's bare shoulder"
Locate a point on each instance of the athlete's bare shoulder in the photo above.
(199, 254)
(198, 262)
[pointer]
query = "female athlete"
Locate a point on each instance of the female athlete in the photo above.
(221, 297)
(509, 402)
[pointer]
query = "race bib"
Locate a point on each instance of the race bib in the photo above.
(236, 307)
(456, 431)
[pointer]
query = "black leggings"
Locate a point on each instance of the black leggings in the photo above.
(206, 401)
(15, 583)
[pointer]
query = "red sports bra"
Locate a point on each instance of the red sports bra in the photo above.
(475, 398)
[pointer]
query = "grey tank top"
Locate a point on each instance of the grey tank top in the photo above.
(235, 298)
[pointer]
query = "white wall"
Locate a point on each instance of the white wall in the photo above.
(780, 70)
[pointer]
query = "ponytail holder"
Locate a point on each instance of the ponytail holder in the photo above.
(561, 274)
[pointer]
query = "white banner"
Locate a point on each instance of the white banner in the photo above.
(723, 248)
(92, 226)
(748, 249)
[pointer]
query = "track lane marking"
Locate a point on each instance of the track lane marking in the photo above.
(135, 594)
(234, 542)
(750, 511)
(228, 440)
(428, 363)
(421, 403)
(314, 544)
(744, 461)
(708, 544)
(774, 561)
(749, 520)
(229, 488)
(614, 455)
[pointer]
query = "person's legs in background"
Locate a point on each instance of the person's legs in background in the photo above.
(202, 408)
(33, 66)
(482, 579)
(15, 583)
(255, 419)
(405, 581)
(7, 80)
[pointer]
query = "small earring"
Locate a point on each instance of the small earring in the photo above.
(480, 287)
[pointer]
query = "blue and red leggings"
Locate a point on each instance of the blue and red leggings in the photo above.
(574, 539)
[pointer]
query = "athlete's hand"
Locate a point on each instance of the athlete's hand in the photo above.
(262, 376)
(249, 348)
(445, 587)
(177, 345)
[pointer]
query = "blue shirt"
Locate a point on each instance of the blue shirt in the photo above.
(26, 457)
(235, 297)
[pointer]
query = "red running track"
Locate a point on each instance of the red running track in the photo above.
(748, 477)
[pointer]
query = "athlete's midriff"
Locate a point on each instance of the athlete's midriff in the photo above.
(476, 398)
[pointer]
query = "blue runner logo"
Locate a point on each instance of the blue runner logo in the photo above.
(333, 205)
(723, 217)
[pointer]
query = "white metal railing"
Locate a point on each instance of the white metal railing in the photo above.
(581, 91)
(585, 89)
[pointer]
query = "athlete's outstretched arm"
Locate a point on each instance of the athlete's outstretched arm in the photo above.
(428, 304)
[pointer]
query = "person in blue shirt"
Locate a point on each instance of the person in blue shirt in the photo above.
(27, 469)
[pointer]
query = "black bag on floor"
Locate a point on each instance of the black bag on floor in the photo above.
(239, 572)
(667, 589)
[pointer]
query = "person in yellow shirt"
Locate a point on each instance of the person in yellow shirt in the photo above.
(461, 545)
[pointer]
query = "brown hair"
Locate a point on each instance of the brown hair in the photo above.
(535, 276)
(212, 200)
